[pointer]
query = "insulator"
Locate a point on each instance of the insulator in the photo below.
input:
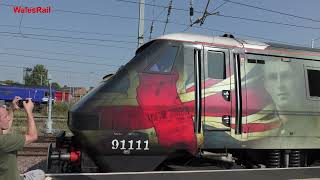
(170, 7)
(151, 28)
(294, 159)
(274, 159)
(191, 11)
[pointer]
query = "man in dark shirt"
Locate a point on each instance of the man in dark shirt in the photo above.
(11, 143)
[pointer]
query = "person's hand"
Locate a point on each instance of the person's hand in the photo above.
(15, 102)
(28, 105)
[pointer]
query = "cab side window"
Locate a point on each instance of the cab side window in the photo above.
(313, 81)
(216, 65)
(164, 62)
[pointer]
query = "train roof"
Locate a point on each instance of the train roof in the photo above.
(214, 40)
(234, 42)
(24, 86)
(291, 47)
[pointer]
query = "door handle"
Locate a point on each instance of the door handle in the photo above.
(226, 95)
(226, 120)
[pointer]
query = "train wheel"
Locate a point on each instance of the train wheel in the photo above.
(49, 160)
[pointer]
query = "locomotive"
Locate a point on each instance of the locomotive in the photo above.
(39, 94)
(189, 101)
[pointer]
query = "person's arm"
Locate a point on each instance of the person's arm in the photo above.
(32, 134)
(13, 107)
(10, 114)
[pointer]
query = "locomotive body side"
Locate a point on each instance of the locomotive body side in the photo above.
(278, 111)
(39, 95)
(187, 96)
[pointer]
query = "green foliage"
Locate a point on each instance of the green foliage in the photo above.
(58, 109)
(56, 86)
(37, 77)
(59, 117)
(10, 82)
(61, 109)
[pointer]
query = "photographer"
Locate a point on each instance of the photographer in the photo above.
(10, 143)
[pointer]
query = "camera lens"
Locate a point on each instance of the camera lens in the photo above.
(20, 103)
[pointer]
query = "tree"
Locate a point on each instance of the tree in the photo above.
(38, 76)
(9, 82)
(55, 86)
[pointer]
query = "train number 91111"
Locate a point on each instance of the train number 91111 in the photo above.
(130, 145)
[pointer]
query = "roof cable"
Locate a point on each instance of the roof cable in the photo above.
(169, 12)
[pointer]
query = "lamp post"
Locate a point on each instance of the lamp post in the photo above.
(49, 120)
(26, 71)
(141, 23)
(312, 41)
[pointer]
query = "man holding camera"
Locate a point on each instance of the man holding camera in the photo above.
(11, 143)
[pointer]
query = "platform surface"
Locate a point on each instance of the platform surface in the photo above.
(248, 174)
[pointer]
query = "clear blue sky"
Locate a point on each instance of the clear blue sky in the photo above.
(102, 34)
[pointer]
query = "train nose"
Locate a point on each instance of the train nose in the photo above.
(79, 121)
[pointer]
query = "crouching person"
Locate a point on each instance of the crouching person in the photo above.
(11, 143)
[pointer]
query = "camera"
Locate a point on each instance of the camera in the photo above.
(20, 103)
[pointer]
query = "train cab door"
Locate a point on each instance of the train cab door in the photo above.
(216, 96)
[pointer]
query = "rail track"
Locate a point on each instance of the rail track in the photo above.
(46, 139)
(41, 118)
(33, 151)
(39, 148)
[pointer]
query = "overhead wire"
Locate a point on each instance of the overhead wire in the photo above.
(21, 21)
(181, 24)
(248, 19)
(269, 22)
(55, 66)
(148, 4)
(63, 41)
(205, 13)
(234, 2)
(151, 26)
(201, 19)
(57, 59)
(125, 17)
(135, 18)
(252, 36)
(58, 53)
(70, 37)
(192, 13)
(273, 11)
(168, 15)
(157, 18)
(69, 30)
(19, 67)
(79, 12)
(222, 4)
